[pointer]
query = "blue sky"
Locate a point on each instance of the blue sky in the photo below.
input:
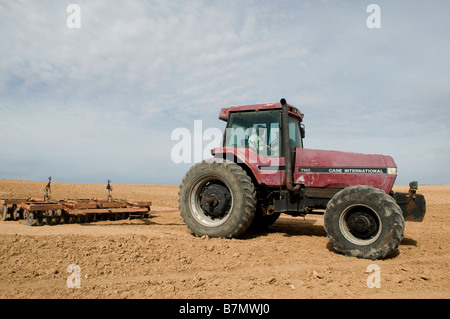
(100, 102)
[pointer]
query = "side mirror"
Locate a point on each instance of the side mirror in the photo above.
(302, 130)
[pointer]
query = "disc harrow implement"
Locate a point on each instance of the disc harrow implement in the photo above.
(38, 211)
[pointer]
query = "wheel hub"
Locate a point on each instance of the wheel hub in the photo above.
(215, 200)
(362, 225)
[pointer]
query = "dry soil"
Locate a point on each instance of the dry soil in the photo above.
(159, 258)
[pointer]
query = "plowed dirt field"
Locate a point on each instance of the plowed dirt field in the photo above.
(159, 258)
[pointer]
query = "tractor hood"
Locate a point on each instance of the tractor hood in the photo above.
(320, 168)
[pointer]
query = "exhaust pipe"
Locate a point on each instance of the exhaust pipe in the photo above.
(287, 149)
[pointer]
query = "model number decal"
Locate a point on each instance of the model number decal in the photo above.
(344, 170)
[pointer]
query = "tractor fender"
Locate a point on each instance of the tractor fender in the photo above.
(240, 156)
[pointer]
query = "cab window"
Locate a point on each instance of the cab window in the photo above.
(257, 130)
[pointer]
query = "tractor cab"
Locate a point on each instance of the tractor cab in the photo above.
(257, 137)
(258, 127)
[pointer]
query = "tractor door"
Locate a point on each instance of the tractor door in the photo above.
(296, 134)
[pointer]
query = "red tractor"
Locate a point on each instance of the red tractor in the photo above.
(262, 170)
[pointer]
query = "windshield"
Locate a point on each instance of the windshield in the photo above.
(258, 130)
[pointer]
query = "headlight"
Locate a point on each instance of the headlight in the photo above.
(392, 170)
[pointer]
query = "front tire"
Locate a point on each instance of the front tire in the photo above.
(364, 222)
(217, 199)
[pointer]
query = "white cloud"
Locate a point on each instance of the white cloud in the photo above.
(137, 70)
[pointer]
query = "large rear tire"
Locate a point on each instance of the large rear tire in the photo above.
(217, 199)
(364, 222)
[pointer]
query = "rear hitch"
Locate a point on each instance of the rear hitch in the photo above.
(413, 205)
